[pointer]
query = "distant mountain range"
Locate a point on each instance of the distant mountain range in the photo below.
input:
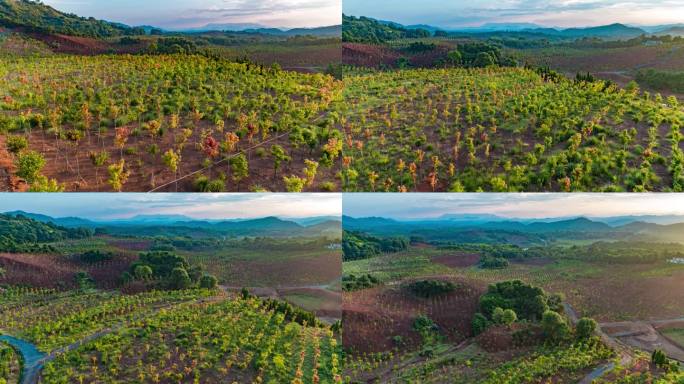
(612, 31)
(179, 225)
(478, 219)
(660, 228)
(38, 17)
(327, 31)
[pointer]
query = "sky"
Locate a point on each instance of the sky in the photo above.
(186, 14)
(529, 205)
(102, 206)
(549, 13)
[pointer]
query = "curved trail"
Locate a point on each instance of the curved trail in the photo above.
(34, 360)
(625, 356)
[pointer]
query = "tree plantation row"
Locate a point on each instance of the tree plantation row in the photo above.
(190, 123)
(506, 129)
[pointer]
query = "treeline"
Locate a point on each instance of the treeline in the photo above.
(497, 256)
(167, 270)
(357, 245)
(662, 80)
(633, 252)
(508, 302)
(367, 30)
(596, 42)
(292, 313)
(352, 282)
(480, 55)
(23, 234)
(35, 16)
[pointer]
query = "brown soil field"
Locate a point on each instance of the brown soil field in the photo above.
(8, 181)
(371, 318)
(136, 245)
(293, 272)
(458, 260)
(50, 271)
(365, 55)
(75, 45)
(608, 60)
(621, 297)
(499, 338)
(66, 161)
(301, 59)
(374, 56)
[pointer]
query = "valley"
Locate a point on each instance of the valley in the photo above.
(561, 110)
(169, 298)
(489, 300)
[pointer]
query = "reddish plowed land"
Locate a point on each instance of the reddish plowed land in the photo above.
(613, 298)
(8, 181)
(458, 260)
(372, 318)
(300, 271)
(51, 271)
(131, 244)
(375, 56)
(365, 55)
(72, 164)
(301, 58)
(499, 338)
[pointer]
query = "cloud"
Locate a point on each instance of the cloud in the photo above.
(535, 205)
(181, 14)
(201, 206)
(563, 13)
(289, 13)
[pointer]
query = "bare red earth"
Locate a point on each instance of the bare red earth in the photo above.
(51, 271)
(372, 318)
(458, 260)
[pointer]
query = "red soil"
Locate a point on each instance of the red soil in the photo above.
(371, 318)
(301, 59)
(290, 272)
(83, 45)
(615, 298)
(8, 181)
(148, 171)
(131, 245)
(364, 55)
(458, 260)
(500, 338)
(51, 271)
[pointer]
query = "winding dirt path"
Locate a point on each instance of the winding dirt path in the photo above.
(34, 360)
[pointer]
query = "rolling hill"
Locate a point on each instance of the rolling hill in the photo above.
(367, 30)
(179, 225)
(478, 229)
(33, 16)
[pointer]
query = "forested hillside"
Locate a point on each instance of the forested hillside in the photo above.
(367, 30)
(38, 17)
(18, 234)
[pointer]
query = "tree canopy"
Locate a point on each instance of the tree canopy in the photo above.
(38, 17)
